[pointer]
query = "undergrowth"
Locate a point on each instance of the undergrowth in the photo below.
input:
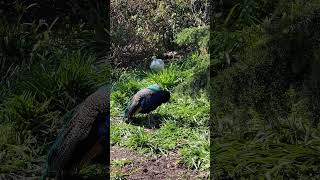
(42, 79)
(265, 91)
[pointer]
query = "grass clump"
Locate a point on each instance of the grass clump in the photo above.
(118, 176)
(121, 162)
(167, 78)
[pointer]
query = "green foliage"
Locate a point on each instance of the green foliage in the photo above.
(15, 44)
(167, 78)
(92, 170)
(121, 162)
(143, 28)
(8, 133)
(123, 89)
(21, 153)
(194, 37)
(187, 111)
(45, 73)
(118, 176)
(264, 103)
(239, 14)
(139, 139)
(196, 65)
(74, 76)
(196, 153)
(66, 83)
(263, 157)
(28, 115)
(264, 73)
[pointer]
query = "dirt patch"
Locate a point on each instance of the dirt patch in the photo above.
(155, 168)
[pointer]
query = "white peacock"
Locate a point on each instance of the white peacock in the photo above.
(156, 64)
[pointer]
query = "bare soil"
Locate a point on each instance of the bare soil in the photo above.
(165, 167)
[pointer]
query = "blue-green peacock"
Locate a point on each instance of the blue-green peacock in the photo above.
(146, 100)
(84, 139)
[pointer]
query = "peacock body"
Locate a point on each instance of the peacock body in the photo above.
(84, 139)
(156, 64)
(147, 100)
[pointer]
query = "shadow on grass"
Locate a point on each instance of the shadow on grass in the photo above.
(153, 123)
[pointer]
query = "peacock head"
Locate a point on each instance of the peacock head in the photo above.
(154, 57)
(165, 96)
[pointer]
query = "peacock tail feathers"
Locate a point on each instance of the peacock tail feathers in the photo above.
(66, 119)
(67, 152)
(94, 151)
(146, 100)
(125, 114)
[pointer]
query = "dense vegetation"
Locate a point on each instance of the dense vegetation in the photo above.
(48, 65)
(265, 89)
(142, 28)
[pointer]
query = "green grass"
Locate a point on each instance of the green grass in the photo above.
(93, 170)
(259, 151)
(118, 176)
(263, 130)
(120, 162)
(184, 120)
(263, 158)
(43, 77)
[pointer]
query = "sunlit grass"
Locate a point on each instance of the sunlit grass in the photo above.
(118, 175)
(121, 162)
(184, 120)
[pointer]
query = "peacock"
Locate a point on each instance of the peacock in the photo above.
(156, 64)
(146, 100)
(84, 139)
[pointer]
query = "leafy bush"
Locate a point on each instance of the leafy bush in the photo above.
(194, 37)
(143, 28)
(263, 74)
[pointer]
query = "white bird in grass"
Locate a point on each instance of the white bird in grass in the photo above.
(156, 64)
